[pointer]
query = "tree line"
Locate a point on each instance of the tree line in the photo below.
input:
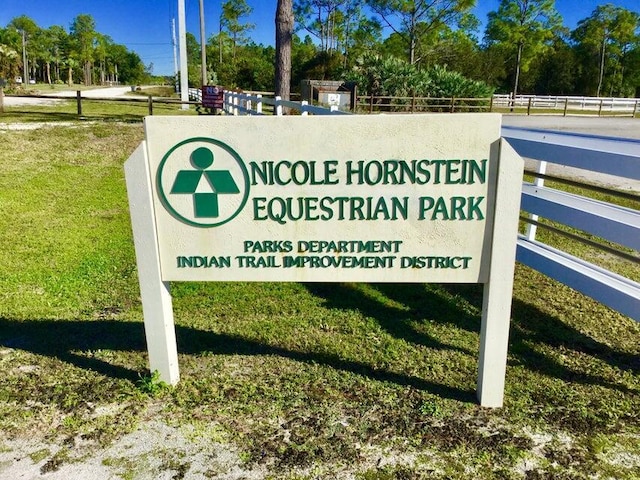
(433, 45)
(389, 47)
(55, 55)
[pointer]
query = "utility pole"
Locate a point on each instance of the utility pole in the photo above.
(184, 73)
(25, 67)
(203, 44)
(175, 52)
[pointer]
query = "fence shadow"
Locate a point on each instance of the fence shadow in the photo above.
(27, 116)
(529, 326)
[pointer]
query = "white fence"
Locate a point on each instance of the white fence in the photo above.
(557, 103)
(238, 103)
(613, 223)
(600, 105)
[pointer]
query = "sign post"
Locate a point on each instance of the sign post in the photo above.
(408, 198)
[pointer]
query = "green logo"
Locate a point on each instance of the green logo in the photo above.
(202, 182)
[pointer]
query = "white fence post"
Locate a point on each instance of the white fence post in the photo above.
(259, 104)
(303, 108)
(278, 107)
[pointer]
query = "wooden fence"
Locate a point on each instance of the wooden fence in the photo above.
(529, 104)
(81, 100)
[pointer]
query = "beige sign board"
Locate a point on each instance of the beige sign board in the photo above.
(365, 198)
(402, 198)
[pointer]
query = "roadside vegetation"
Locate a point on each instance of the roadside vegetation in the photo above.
(302, 381)
(524, 48)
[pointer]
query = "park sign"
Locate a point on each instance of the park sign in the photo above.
(402, 198)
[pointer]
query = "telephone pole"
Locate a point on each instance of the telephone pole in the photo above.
(203, 45)
(25, 66)
(184, 73)
(174, 43)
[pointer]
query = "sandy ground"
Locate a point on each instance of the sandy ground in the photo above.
(110, 92)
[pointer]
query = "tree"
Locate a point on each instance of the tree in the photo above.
(526, 26)
(363, 35)
(232, 12)
(27, 28)
(284, 34)
(322, 19)
(340, 26)
(8, 62)
(132, 71)
(194, 60)
(556, 70)
(412, 20)
(71, 63)
(57, 41)
(83, 32)
(609, 34)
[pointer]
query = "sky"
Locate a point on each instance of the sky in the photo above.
(144, 26)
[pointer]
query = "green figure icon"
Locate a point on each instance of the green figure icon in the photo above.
(221, 182)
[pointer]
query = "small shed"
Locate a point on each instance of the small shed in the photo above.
(328, 92)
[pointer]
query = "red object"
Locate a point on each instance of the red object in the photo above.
(212, 96)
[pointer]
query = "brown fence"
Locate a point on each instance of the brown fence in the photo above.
(528, 105)
(80, 100)
(413, 104)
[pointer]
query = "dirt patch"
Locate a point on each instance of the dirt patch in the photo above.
(153, 451)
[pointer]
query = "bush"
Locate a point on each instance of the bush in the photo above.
(394, 77)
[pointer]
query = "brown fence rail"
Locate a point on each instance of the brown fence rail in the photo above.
(413, 104)
(80, 100)
(528, 105)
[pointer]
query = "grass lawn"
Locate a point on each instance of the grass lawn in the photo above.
(365, 381)
(92, 110)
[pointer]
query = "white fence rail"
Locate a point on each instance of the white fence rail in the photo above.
(613, 223)
(195, 95)
(600, 105)
(556, 103)
(239, 103)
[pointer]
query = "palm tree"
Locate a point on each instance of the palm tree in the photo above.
(71, 63)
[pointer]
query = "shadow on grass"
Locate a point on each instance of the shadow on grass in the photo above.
(530, 327)
(400, 322)
(25, 116)
(60, 339)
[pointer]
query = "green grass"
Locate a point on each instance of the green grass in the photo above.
(92, 110)
(157, 91)
(308, 380)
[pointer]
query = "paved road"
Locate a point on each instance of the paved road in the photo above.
(607, 126)
(625, 127)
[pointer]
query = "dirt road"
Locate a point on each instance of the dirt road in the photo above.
(108, 92)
